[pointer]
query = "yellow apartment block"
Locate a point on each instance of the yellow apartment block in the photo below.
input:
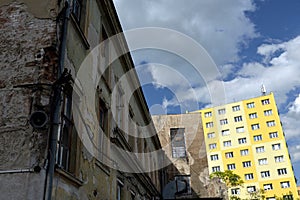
(247, 138)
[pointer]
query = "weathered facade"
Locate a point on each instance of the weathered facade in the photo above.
(45, 151)
(182, 139)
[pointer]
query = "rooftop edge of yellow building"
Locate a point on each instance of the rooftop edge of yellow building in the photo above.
(247, 138)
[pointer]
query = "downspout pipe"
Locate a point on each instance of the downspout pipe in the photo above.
(14, 171)
(56, 106)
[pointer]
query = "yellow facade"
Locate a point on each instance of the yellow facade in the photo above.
(247, 138)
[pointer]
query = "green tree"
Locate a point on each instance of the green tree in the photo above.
(228, 177)
(259, 194)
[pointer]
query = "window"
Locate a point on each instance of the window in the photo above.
(212, 146)
(242, 140)
(288, 197)
(132, 195)
(238, 119)
(223, 121)
(271, 198)
(120, 107)
(103, 112)
(222, 111)
(244, 152)
(225, 132)
(209, 124)
(214, 157)
(265, 174)
(282, 171)
(105, 54)
(229, 155)
(207, 114)
(247, 164)
(285, 184)
(178, 142)
(216, 169)
(268, 112)
(263, 161)
(235, 191)
(265, 101)
(268, 186)
(250, 105)
(184, 180)
(67, 137)
(260, 149)
(227, 143)
(77, 7)
(273, 135)
(79, 12)
(279, 159)
(251, 189)
(236, 108)
(248, 176)
(253, 115)
(257, 137)
(276, 146)
(120, 185)
(271, 123)
(240, 129)
(231, 166)
(255, 126)
(211, 135)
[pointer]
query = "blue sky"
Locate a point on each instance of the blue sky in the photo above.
(251, 42)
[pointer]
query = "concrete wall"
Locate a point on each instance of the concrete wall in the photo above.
(195, 164)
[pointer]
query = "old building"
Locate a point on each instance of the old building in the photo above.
(182, 139)
(66, 131)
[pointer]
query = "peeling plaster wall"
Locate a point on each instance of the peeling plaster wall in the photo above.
(196, 164)
(28, 63)
(27, 57)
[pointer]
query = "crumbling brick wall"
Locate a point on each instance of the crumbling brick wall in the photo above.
(28, 62)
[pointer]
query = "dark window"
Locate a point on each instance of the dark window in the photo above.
(103, 116)
(183, 185)
(77, 7)
(67, 137)
(178, 142)
(120, 185)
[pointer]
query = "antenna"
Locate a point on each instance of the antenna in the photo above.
(263, 90)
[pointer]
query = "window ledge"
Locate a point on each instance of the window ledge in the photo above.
(104, 168)
(76, 181)
(81, 34)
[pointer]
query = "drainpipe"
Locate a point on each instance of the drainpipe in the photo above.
(13, 171)
(56, 105)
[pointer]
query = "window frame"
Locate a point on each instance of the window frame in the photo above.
(227, 143)
(178, 149)
(238, 118)
(260, 147)
(257, 137)
(229, 154)
(262, 161)
(242, 140)
(253, 115)
(249, 176)
(244, 150)
(247, 164)
(265, 174)
(236, 108)
(250, 105)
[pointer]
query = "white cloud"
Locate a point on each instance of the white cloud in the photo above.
(280, 75)
(220, 26)
(290, 122)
